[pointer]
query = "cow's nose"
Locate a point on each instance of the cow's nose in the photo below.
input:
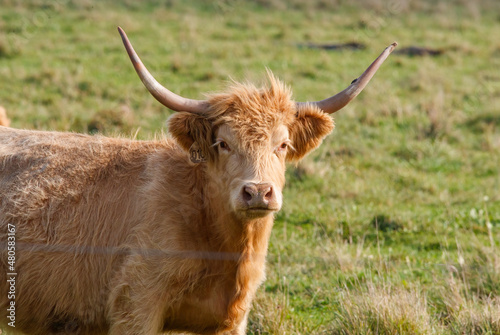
(258, 195)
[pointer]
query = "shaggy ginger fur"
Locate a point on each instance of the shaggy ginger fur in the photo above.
(115, 236)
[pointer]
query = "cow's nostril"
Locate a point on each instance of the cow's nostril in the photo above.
(268, 194)
(247, 193)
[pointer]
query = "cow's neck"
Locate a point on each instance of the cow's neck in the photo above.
(236, 248)
(245, 243)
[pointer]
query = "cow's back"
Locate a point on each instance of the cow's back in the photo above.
(42, 171)
(73, 200)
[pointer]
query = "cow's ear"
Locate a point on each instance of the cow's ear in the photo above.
(311, 125)
(187, 128)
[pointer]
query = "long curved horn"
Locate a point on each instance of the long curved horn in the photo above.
(162, 94)
(341, 99)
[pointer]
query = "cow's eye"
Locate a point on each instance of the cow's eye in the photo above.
(223, 146)
(283, 146)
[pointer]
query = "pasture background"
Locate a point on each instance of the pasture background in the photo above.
(393, 225)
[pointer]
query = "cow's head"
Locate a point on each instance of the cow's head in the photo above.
(246, 136)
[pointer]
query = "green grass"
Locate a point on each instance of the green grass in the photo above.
(393, 225)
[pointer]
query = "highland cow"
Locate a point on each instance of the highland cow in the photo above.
(118, 236)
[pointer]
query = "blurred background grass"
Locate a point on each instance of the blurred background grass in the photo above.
(393, 225)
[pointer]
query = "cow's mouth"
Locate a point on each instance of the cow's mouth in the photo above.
(256, 212)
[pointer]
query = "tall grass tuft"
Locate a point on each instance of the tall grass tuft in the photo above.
(382, 310)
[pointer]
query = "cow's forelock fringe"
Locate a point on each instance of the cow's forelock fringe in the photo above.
(251, 112)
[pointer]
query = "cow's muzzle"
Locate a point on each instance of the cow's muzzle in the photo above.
(259, 199)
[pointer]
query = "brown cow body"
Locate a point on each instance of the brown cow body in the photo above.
(130, 237)
(115, 236)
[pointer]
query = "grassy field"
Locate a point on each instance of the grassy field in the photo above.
(393, 225)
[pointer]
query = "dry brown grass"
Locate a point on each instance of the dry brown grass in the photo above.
(382, 310)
